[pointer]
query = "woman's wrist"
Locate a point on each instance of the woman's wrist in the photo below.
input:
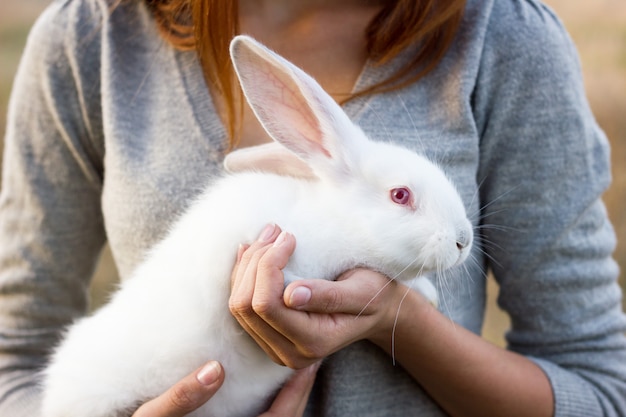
(455, 366)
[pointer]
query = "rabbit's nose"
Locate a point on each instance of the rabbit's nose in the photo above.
(463, 239)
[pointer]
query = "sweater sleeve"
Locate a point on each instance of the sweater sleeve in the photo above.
(545, 165)
(51, 228)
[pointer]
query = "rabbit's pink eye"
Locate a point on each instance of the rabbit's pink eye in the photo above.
(402, 196)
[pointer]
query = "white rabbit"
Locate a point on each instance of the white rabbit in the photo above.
(369, 204)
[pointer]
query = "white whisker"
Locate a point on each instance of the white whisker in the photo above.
(500, 228)
(391, 279)
(395, 324)
(373, 298)
(475, 196)
(381, 123)
(487, 205)
(420, 142)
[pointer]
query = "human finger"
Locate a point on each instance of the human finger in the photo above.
(247, 251)
(293, 396)
(288, 339)
(357, 292)
(264, 258)
(186, 395)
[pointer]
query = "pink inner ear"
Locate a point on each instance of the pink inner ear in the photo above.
(297, 126)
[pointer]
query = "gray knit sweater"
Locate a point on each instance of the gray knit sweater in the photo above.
(111, 132)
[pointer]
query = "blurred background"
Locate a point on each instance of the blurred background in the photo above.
(598, 28)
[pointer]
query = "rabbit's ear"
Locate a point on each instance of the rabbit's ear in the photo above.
(292, 107)
(269, 157)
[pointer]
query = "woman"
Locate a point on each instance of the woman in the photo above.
(112, 129)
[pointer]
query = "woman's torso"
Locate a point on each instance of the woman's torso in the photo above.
(164, 142)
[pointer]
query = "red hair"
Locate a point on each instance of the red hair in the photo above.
(207, 26)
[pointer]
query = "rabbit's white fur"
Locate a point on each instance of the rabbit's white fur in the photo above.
(172, 315)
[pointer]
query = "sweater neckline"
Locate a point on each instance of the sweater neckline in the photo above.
(211, 125)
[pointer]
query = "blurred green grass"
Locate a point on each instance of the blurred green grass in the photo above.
(598, 28)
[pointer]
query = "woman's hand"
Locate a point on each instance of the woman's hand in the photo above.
(296, 338)
(198, 387)
(314, 318)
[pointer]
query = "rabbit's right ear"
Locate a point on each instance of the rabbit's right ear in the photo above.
(293, 108)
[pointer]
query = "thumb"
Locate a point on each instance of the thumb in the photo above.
(186, 395)
(352, 293)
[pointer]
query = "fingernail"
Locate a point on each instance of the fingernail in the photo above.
(240, 250)
(209, 374)
(267, 233)
(315, 367)
(280, 239)
(300, 296)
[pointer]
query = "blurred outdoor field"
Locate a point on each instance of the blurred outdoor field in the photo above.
(598, 28)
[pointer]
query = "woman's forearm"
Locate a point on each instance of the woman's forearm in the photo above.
(464, 373)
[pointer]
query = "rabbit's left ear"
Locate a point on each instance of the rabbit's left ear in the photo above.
(293, 108)
(269, 157)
